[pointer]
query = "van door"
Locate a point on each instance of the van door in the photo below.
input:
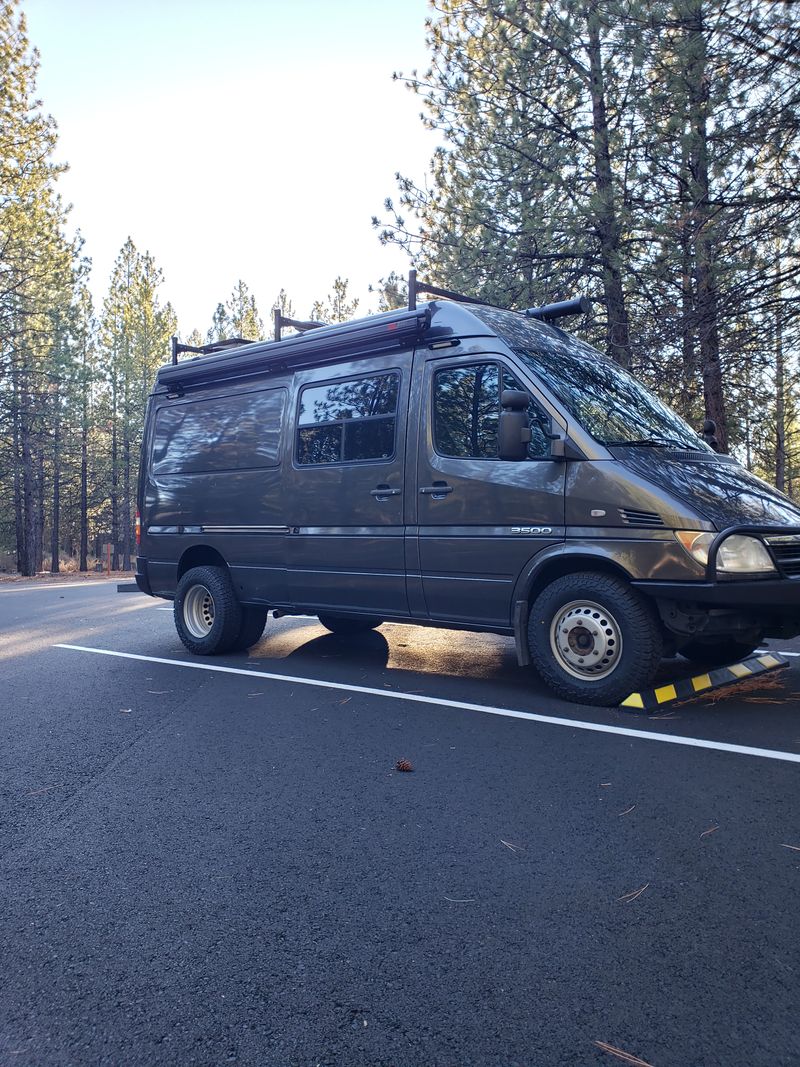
(344, 498)
(480, 519)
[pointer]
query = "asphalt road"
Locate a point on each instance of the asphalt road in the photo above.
(216, 867)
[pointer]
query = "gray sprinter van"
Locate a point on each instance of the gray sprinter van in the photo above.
(457, 465)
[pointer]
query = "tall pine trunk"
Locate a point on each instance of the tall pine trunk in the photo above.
(706, 305)
(608, 224)
(83, 564)
(56, 516)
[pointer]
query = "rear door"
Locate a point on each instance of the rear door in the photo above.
(344, 500)
(480, 519)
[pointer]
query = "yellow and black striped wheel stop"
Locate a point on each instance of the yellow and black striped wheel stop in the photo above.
(651, 699)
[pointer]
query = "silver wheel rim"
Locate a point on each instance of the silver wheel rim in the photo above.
(198, 611)
(586, 640)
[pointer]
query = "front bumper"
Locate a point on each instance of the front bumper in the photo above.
(779, 595)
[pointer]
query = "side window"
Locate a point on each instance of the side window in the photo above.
(466, 412)
(348, 422)
(222, 433)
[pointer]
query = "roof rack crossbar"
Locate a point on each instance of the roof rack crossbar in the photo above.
(547, 313)
(280, 320)
(416, 286)
(176, 347)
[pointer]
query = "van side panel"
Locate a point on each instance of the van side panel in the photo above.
(344, 465)
(214, 478)
(480, 520)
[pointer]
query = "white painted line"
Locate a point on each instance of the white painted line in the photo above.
(777, 651)
(415, 698)
(90, 583)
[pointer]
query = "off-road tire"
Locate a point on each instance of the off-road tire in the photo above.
(718, 651)
(633, 629)
(253, 622)
(208, 617)
(347, 627)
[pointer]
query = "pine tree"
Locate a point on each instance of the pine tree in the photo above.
(338, 306)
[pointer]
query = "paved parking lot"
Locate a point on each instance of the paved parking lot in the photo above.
(212, 862)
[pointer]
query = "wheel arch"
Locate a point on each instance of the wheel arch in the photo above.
(541, 573)
(200, 556)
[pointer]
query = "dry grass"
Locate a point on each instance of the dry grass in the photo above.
(746, 688)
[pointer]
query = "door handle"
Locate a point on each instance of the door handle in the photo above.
(384, 491)
(437, 490)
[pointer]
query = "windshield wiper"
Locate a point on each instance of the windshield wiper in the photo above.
(653, 442)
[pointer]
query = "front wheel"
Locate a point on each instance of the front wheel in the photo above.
(594, 639)
(346, 627)
(208, 617)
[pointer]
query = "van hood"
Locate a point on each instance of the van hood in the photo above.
(717, 487)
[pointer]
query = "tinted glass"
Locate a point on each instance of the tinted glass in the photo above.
(223, 433)
(607, 401)
(359, 399)
(466, 412)
(348, 422)
(319, 444)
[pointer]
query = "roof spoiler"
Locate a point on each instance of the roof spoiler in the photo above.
(547, 313)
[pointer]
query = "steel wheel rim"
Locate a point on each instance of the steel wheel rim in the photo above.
(586, 640)
(198, 611)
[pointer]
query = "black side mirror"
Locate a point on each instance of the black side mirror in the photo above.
(514, 431)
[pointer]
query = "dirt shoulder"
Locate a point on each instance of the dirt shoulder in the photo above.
(73, 576)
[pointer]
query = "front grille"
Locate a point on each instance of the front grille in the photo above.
(786, 550)
(649, 520)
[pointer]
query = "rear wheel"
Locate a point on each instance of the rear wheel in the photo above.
(208, 617)
(718, 651)
(345, 627)
(253, 622)
(593, 639)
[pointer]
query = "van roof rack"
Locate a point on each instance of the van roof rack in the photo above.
(280, 320)
(206, 350)
(547, 313)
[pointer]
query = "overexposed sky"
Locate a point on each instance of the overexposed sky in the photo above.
(248, 139)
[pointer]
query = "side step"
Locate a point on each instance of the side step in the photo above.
(652, 699)
(127, 587)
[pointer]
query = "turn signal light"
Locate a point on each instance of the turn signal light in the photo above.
(138, 528)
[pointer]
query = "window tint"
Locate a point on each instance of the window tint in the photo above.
(607, 401)
(466, 412)
(223, 433)
(347, 422)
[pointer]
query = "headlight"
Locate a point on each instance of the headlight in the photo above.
(737, 554)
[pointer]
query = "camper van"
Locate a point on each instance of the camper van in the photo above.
(459, 465)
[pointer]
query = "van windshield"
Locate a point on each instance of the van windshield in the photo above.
(608, 402)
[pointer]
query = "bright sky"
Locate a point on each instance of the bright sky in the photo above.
(248, 139)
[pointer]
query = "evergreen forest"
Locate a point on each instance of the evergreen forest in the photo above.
(644, 153)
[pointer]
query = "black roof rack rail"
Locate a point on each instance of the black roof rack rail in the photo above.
(210, 349)
(416, 286)
(547, 313)
(358, 339)
(280, 320)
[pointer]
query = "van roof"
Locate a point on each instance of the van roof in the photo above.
(372, 335)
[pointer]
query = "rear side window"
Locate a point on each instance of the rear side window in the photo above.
(223, 433)
(466, 412)
(348, 422)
